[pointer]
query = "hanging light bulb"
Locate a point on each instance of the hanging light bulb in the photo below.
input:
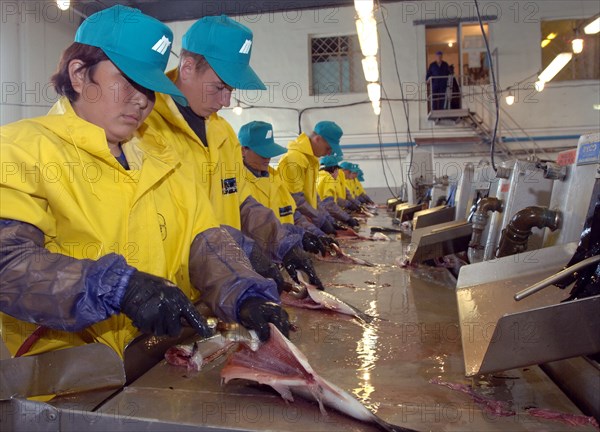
(237, 109)
(370, 68)
(539, 85)
(577, 45)
(63, 4)
(367, 36)
(376, 107)
(364, 8)
(593, 27)
(374, 92)
(510, 98)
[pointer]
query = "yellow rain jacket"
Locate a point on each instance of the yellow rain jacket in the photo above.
(272, 193)
(342, 184)
(299, 168)
(222, 176)
(59, 175)
(327, 186)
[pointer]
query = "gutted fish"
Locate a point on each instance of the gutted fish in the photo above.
(343, 258)
(195, 355)
(317, 299)
(280, 364)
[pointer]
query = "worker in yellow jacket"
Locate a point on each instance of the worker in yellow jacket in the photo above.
(328, 187)
(215, 59)
(102, 227)
(299, 169)
(348, 173)
(258, 147)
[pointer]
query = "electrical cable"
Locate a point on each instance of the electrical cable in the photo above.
(494, 86)
(404, 101)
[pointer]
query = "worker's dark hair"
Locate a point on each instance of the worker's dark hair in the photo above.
(330, 170)
(89, 55)
(201, 62)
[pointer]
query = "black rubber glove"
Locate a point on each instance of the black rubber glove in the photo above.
(156, 306)
(328, 227)
(352, 206)
(328, 241)
(296, 260)
(339, 226)
(312, 243)
(256, 313)
(353, 222)
(266, 268)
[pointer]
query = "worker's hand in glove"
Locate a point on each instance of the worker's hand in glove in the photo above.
(353, 223)
(353, 207)
(339, 226)
(256, 313)
(156, 306)
(328, 227)
(312, 243)
(328, 242)
(296, 260)
(266, 268)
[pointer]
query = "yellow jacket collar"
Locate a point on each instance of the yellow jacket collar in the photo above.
(302, 144)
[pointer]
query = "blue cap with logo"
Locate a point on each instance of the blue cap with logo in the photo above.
(330, 161)
(136, 43)
(258, 137)
(332, 133)
(227, 46)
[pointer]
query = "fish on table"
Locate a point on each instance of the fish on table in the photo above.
(313, 298)
(339, 256)
(279, 364)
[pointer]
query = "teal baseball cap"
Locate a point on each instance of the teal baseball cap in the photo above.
(136, 43)
(332, 133)
(330, 161)
(346, 166)
(226, 45)
(361, 176)
(258, 137)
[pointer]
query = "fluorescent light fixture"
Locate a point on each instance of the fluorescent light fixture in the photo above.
(63, 4)
(545, 43)
(555, 66)
(367, 36)
(596, 107)
(364, 8)
(374, 92)
(593, 27)
(577, 45)
(510, 99)
(450, 44)
(539, 85)
(376, 107)
(551, 36)
(370, 68)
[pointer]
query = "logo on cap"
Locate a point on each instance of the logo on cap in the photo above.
(269, 134)
(245, 49)
(162, 45)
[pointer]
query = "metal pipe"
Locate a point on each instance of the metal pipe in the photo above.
(479, 220)
(515, 235)
(556, 277)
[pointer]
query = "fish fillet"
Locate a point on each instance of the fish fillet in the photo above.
(280, 364)
(343, 258)
(317, 299)
(198, 354)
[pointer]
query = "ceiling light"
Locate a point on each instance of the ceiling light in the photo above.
(593, 27)
(63, 4)
(374, 92)
(545, 43)
(364, 8)
(367, 36)
(370, 68)
(450, 44)
(551, 36)
(510, 98)
(577, 45)
(376, 107)
(596, 107)
(539, 85)
(555, 66)
(237, 109)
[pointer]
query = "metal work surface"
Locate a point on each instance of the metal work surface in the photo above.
(433, 216)
(387, 364)
(499, 333)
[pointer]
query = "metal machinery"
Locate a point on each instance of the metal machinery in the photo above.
(506, 320)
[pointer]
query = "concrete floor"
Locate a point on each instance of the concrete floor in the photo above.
(388, 364)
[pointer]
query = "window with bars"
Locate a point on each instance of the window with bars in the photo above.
(336, 65)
